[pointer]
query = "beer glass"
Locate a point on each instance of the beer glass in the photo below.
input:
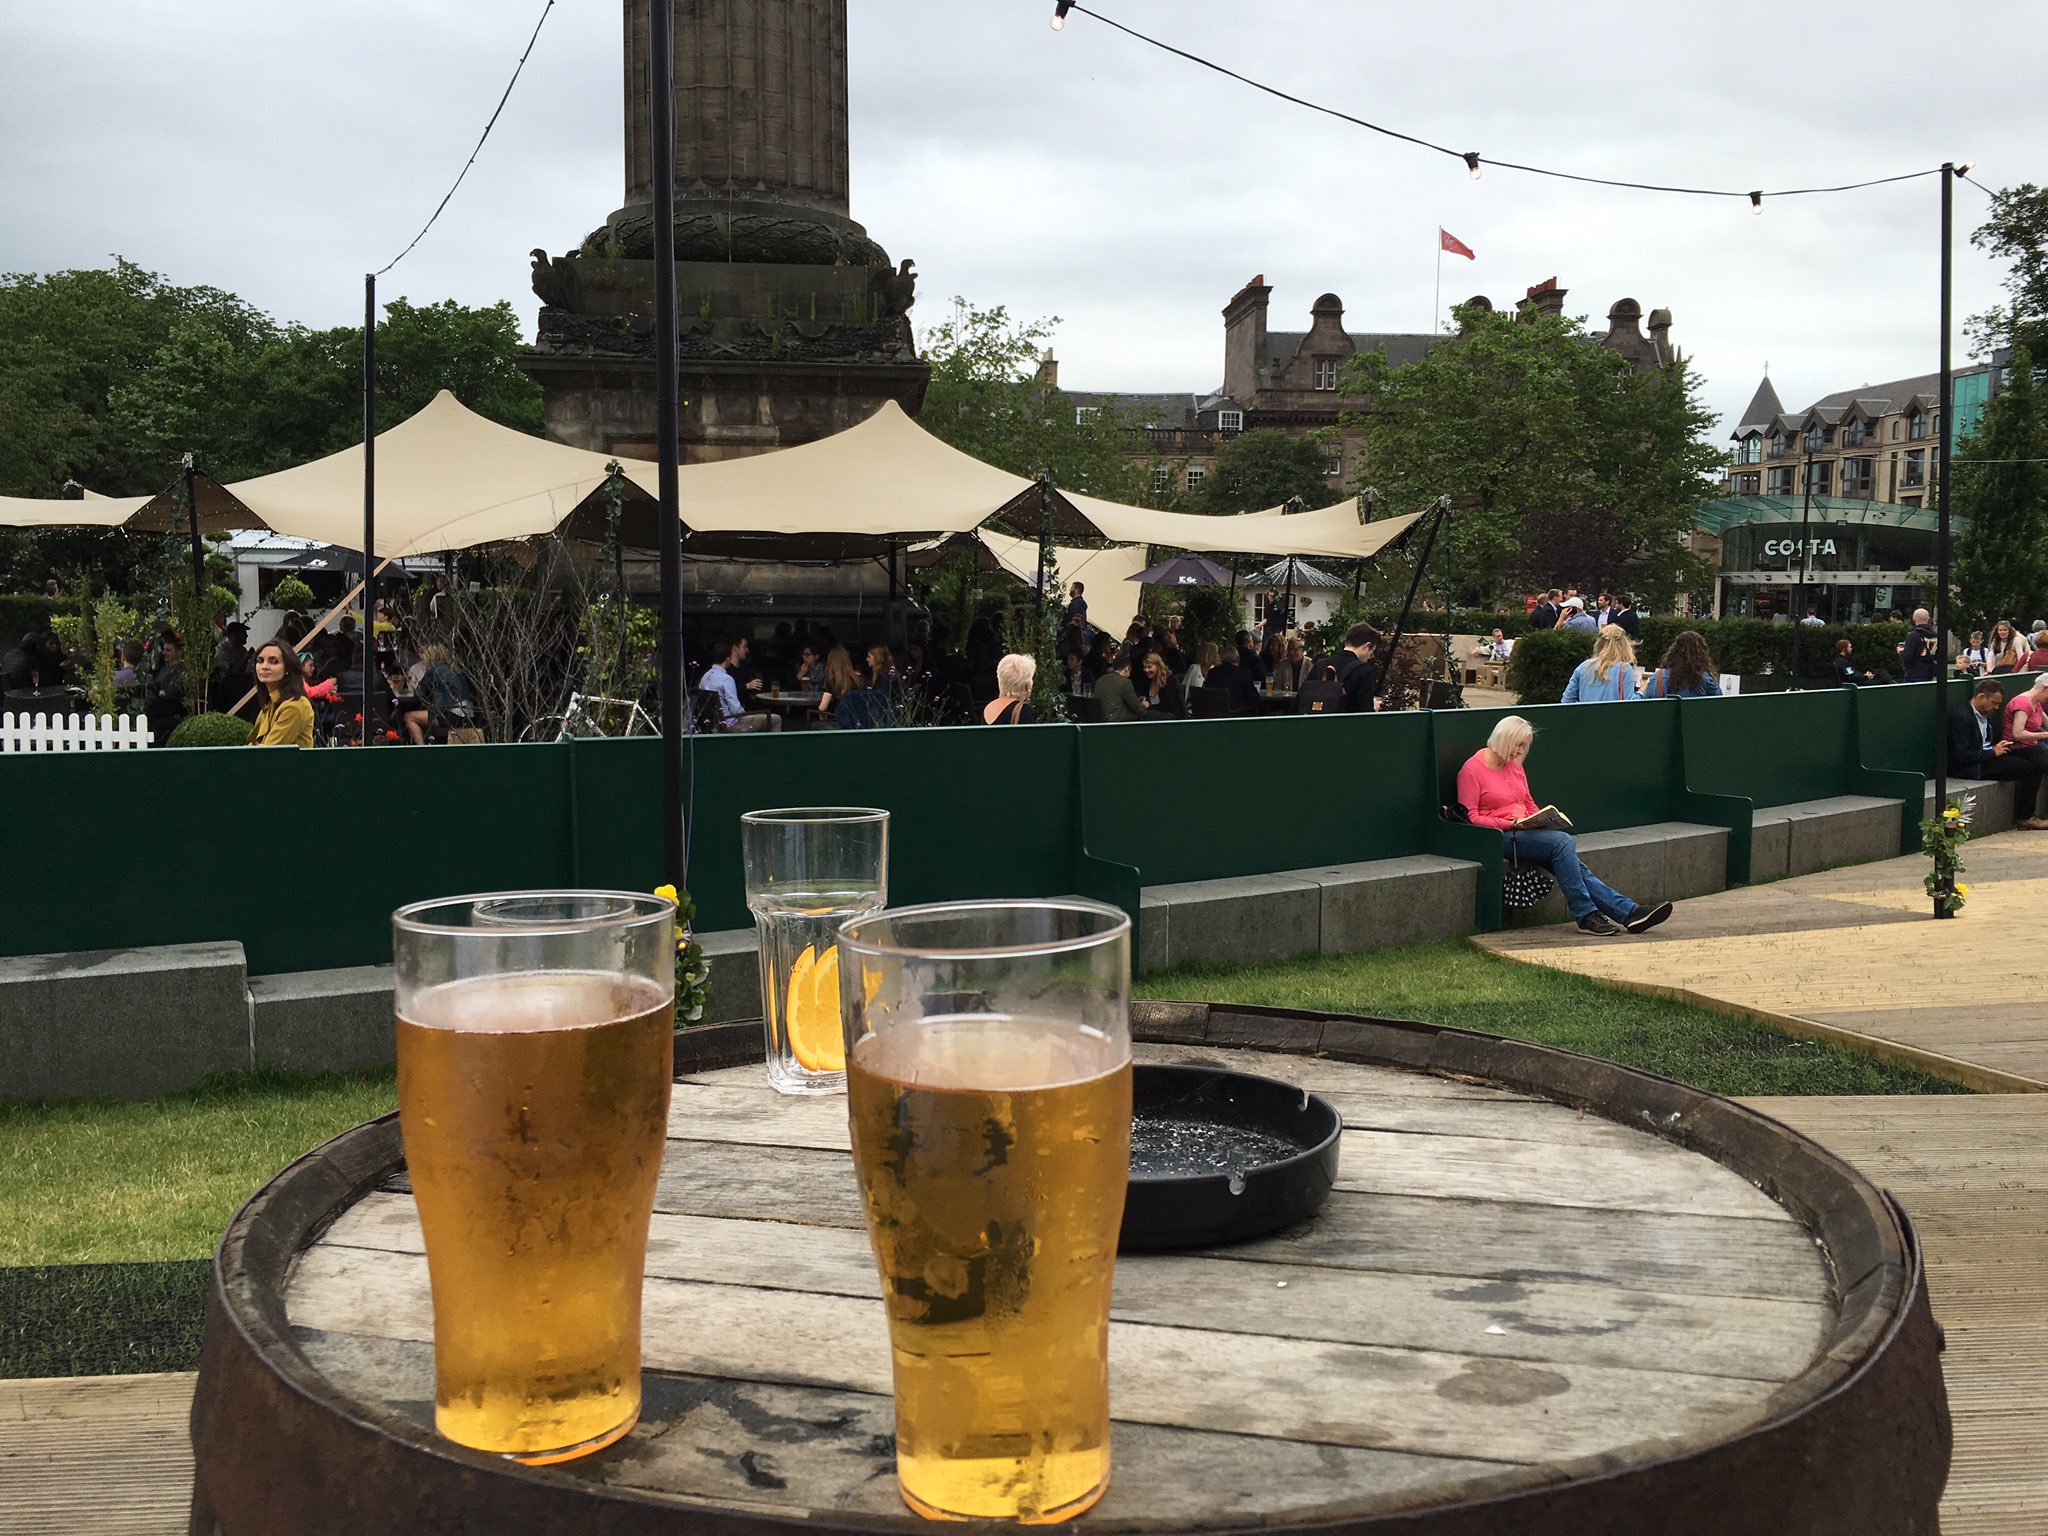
(809, 868)
(989, 1092)
(536, 1045)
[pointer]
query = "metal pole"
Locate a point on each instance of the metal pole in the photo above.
(369, 491)
(1044, 532)
(1805, 527)
(661, 69)
(1942, 443)
(198, 550)
(1443, 507)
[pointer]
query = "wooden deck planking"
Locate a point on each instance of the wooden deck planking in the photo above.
(109, 1455)
(1973, 1174)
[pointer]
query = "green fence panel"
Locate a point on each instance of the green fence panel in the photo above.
(300, 855)
(1782, 748)
(1895, 724)
(973, 813)
(1212, 799)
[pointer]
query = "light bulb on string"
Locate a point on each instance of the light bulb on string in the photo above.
(1059, 15)
(1472, 163)
(1756, 203)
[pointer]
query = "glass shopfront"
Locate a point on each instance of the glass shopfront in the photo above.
(1855, 571)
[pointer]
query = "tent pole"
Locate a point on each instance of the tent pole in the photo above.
(369, 631)
(198, 550)
(1440, 511)
(1044, 530)
(1945, 440)
(661, 69)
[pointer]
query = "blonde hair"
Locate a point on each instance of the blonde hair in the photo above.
(1014, 674)
(1612, 649)
(1509, 732)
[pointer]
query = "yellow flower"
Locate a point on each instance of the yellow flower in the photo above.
(1962, 890)
(665, 892)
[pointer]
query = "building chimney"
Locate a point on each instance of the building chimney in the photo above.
(1547, 297)
(1244, 341)
(1049, 370)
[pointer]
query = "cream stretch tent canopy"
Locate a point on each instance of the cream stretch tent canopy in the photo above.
(1112, 600)
(1332, 532)
(93, 512)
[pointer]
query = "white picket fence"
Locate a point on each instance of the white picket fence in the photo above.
(71, 733)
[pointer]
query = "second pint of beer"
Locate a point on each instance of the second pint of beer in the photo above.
(993, 1155)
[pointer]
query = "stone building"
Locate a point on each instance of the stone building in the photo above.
(1290, 380)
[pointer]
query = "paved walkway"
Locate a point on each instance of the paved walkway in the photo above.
(1853, 955)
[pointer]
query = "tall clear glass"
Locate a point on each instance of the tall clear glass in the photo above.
(989, 1092)
(809, 869)
(536, 1046)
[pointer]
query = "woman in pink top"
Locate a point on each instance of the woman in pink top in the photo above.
(1494, 791)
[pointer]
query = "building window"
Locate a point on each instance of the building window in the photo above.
(1196, 475)
(1333, 463)
(1781, 480)
(1083, 414)
(1916, 466)
(1853, 434)
(1230, 421)
(1857, 476)
(1817, 480)
(1746, 485)
(1326, 373)
(1916, 425)
(1162, 478)
(1909, 501)
(1749, 450)
(1895, 429)
(1817, 438)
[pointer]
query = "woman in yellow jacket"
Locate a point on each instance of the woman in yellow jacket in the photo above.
(287, 717)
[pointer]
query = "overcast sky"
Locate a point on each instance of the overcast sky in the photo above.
(281, 150)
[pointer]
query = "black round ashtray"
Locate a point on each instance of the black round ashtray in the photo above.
(1219, 1157)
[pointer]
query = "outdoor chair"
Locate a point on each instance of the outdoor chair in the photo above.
(1084, 710)
(1207, 703)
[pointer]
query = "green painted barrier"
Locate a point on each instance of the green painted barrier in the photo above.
(1781, 748)
(1212, 799)
(1895, 724)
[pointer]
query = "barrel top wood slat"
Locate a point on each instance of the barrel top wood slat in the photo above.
(1505, 1292)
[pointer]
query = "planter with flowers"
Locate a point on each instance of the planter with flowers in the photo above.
(1941, 839)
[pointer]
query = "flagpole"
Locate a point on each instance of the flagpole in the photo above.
(1436, 307)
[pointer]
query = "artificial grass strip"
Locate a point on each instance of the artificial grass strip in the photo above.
(102, 1319)
(1455, 984)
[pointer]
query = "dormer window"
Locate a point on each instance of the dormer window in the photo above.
(1230, 421)
(1084, 414)
(1326, 373)
(1781, 444)
(1853, 433)
(1916, 425)
(1816, 439)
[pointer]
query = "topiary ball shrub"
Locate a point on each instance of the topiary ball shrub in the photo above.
(210, 731)
(291, 593)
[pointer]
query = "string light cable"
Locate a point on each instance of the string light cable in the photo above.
(495, 111)
(1471, 158)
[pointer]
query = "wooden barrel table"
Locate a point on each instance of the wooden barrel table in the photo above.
(1548, 1295)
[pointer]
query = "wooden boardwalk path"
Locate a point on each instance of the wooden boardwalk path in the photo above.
(1853, 955)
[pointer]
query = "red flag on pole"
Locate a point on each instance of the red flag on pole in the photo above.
(1450, 242)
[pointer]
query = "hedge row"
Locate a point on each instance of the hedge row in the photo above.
(21, 612)
(1543, 660)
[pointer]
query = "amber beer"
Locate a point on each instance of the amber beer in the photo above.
(534, 1109)
(993, 1155)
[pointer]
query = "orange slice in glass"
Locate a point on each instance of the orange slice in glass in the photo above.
(815, 1038)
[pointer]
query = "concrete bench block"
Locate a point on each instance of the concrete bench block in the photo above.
(324, 1021)
(1243, 921)
(1155, 934)
(1821, 834)
(735, 985)
(1383, 903)
(121, 1023)
(1664, 861)
(1988, 804)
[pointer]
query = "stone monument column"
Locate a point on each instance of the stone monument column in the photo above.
(795, 323)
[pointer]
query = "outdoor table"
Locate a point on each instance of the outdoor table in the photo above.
(1277, 701)
(797, 706)
(1547, 1295)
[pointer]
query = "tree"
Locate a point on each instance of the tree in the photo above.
(1563, 464)
(2000, 484)
(2017, 231)
(1265, 468)
(986, 399)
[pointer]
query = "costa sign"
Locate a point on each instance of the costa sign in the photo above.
(1791, 546)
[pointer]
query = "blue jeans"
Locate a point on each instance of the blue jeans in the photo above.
(1583, 890)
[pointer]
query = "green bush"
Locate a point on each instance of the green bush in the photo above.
(21, 612)
(210, 731)
(291, 593)
(1751, 648)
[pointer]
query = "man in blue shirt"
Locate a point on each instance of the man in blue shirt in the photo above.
(718, 682)
(1576, 618)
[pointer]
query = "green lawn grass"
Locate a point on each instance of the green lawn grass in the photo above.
(1454, 984)
(113, 1182)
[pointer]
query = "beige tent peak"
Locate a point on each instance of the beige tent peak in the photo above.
(1324, 532)
(61, 512)
(447, 478)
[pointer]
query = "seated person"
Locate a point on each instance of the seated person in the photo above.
(1015, 674)
(1075, 681)
(1241, 692)
(1157, 689)
(1977, 749)
(1248, 657)
(1119, 700)
(2026, 724)
(719, 682)
(1848, 670)
(1494, 790)
(810, 671)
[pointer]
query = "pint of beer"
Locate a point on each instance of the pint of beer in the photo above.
(536, 1045)
(989, 1079)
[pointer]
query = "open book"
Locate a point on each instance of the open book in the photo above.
(1549, 819)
